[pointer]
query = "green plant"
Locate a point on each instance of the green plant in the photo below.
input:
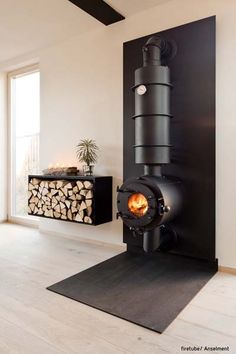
(86, 151)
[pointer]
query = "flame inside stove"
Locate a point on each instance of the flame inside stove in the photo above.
(138, 204)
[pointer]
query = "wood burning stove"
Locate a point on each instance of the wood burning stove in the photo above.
(152, 200)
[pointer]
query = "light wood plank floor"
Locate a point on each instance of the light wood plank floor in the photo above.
(35, 320)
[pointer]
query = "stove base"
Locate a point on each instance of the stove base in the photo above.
(148, 290)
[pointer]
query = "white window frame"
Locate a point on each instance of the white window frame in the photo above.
(32, 221)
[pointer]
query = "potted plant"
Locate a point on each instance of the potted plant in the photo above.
(86, 152)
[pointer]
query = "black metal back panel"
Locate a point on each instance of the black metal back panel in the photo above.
(192, 131)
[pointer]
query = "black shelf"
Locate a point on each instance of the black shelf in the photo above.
(101, 200)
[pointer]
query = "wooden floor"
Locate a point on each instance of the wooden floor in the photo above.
(35, 320)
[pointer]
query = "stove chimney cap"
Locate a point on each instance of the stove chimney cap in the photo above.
(158, 49)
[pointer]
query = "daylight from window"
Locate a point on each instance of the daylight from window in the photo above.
(25, 124)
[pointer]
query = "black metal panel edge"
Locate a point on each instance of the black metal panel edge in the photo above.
(100, 10)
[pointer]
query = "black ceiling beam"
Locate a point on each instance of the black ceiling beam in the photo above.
(100, 10)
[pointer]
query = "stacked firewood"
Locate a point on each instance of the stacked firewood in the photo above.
(61, 199)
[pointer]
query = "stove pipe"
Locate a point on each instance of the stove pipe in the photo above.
(152, 107)
(148, 203)
(152, 117)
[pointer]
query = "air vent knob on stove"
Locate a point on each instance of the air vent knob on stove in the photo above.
(141, 90)
(166, 208)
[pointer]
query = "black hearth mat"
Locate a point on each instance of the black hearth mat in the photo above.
(147, 290)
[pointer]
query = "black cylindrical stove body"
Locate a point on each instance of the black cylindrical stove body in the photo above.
(162, 196)
(152, 115)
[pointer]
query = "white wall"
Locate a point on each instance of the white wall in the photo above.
(81, 88)
(3, 148)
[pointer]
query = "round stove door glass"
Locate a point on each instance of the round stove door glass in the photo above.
(138, 204)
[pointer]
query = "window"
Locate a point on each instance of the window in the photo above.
(24, 95)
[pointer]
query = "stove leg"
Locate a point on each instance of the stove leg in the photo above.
(151, 240)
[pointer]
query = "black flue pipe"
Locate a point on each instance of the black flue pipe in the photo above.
(152, 106)
(152, 170)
